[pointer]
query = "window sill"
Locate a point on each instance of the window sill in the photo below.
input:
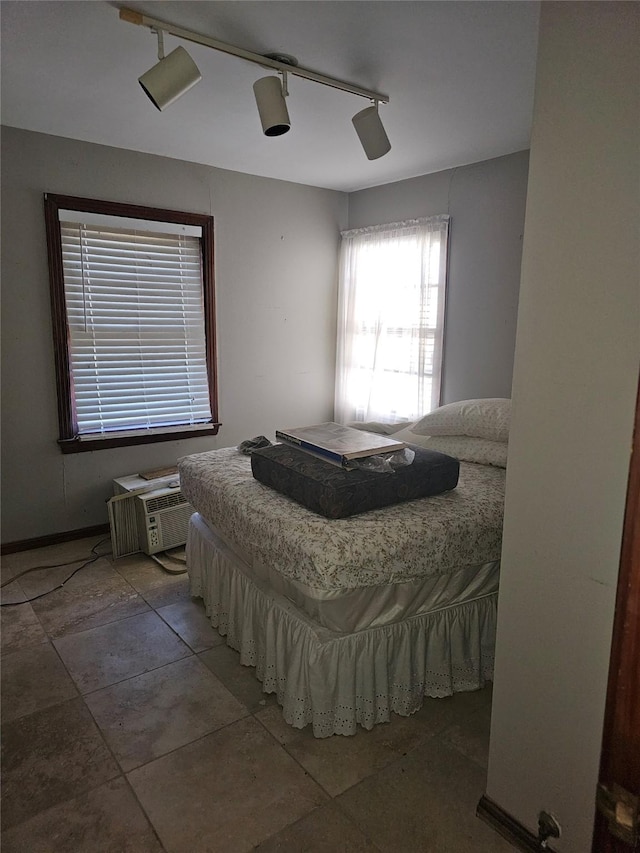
(77, 445)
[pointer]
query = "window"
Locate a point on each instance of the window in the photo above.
(391, 320)
(133, 322)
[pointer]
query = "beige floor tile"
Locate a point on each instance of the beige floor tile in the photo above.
(102, 656)
(325, 830)
(152, 714)
(10, 566)
(11, 594)
(209, 776)
(471, 736)
(224, 663)
(171, 593)
(105, 819)
(47, 580)
(486, 694)
(339, 762)
(33, 679)
(51, 756)
(42, 569)
(225, 793)
(435, 715)
(189, 620)
(68, 610)
(424, 802)
(20, 628)
(143, 573)
(63, 552)
(406, 733)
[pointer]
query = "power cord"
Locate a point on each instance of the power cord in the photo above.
(88, 562)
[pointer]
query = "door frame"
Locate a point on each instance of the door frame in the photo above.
(620, 754)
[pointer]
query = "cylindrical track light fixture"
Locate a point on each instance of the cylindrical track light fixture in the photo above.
(272, 106)
(171, 77)
(372, 134)
(177, 73)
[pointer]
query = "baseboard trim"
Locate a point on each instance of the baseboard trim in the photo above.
(508, 827)
(53, 539)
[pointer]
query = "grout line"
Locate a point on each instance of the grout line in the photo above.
(104, 742)
(123, 775)
(283, 746)
(82, 630)
(66, 668)
(163, 849)
(138, 674)
(363, 829)
(183, 745)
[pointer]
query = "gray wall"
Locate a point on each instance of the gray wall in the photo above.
(575, 383)
(276, 280)
(486, 202)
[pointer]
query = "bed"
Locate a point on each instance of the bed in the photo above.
(351, 619)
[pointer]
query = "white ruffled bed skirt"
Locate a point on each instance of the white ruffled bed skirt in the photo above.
(339, 681)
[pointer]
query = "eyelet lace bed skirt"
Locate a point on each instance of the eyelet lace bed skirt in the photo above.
(335, 681)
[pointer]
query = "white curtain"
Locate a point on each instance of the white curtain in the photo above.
(391, 320)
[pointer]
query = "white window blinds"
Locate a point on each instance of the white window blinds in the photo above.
(134, 302)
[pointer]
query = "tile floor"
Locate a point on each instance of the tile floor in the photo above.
(130, 727)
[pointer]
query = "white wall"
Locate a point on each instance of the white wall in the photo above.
(276, 280)
(575, 382)
(486, 202)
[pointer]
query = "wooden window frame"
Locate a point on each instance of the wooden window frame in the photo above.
(69, 439)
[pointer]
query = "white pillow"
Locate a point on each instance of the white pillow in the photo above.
(466, 448)
(407, 434)
(487, 418)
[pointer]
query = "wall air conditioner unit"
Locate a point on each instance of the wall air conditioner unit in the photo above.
(147, 515)
(163, 518)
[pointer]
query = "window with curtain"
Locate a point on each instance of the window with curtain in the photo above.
(132, 297)
(391, 320)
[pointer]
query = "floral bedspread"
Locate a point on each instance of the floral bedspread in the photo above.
(434, 535)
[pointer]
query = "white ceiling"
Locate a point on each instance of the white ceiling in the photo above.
(459, 75)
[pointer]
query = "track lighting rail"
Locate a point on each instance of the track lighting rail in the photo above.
(133, 17)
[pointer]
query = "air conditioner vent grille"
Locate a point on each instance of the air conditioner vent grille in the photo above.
(174, 525)
(164, 502)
